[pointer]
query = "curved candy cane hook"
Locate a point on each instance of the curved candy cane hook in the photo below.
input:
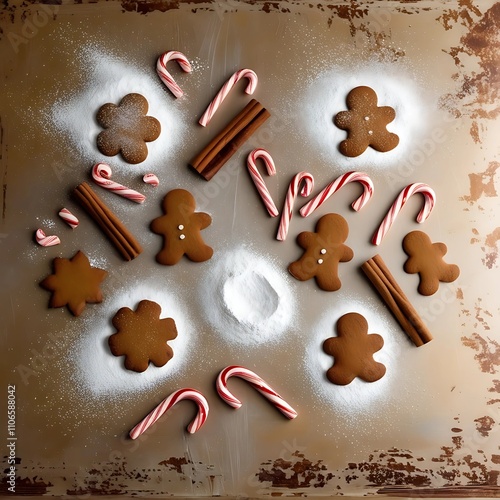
(255, 381)
(167, 403)
(399, 202)
(337, 184)
(165, 76)
(217, 101)
(101, 173)
(291, 195)
(259, 181)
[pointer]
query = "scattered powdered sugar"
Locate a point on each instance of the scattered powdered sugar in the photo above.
(325, 96)
(108, 80)
(98, 372)
(357, 396)
(246, 298)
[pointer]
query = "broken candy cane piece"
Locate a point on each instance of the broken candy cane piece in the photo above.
(255, 381)
(101, 173)
(217, 101)
(335, 186)
(46, 241)
(69, 218)
(291, 195)
(151, 179)
(399, 202)
(259, 181)
(167, 403)
(165, 76)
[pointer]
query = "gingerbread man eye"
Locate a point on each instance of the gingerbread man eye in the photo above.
(127, 128)
(365, 123)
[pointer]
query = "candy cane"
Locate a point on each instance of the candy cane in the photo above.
(259, 181)
(217, 101)
(165, 76)
(46, 241)
(151, 179)
(337, 184)
(101, 173)
(256, 382)
(167, 403)
(69, 218)
(291, 195)
(399, 202)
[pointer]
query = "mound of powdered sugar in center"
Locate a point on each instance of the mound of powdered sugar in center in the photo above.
(246, 299)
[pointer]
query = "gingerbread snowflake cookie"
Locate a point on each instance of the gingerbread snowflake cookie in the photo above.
(426, 259)
(127, 128)
(74, 283)
(365, 123)
(324, 249)
(181, 229)
(142, 336)
(353, 350)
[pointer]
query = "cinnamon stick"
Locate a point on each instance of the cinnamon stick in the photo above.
(393, 296)
(113, 228)
(218, 151)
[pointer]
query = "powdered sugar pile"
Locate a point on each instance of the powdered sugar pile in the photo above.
(100, 373)
(109, 79)
(325, 96)
(246, 298)
(357, 396)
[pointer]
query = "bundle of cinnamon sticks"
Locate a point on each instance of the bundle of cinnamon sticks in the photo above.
(109, 223)
(393, 296)
(209, 161)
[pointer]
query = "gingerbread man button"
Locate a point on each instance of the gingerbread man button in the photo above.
(181, 229)
(365, 123)
(353, 350)
(426, 259)
(324, 249)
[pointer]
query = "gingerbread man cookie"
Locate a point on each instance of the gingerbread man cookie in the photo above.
(127, 128)
(426, 259)
(142, 336)
(181, 229)
(353, 350)
(365, 123)
(324, 249)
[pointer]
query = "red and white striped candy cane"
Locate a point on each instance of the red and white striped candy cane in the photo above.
(167, 403)
(337, 184)
(259, 181)
(165, 76)
(101, 173)
(399, 202)
(255, 381)
(217, 101)
(69, 218)
(151, 179)
(291, 195)
(46, 241)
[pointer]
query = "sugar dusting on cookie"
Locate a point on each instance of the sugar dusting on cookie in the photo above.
(246, 298)
(109, 80)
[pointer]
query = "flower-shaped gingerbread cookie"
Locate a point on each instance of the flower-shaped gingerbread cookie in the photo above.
(74, 283)
(142, 336)
(127, 128)
(324, 249)
(365, 123)
(353, 350)
(426, 259)
(181, 229)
